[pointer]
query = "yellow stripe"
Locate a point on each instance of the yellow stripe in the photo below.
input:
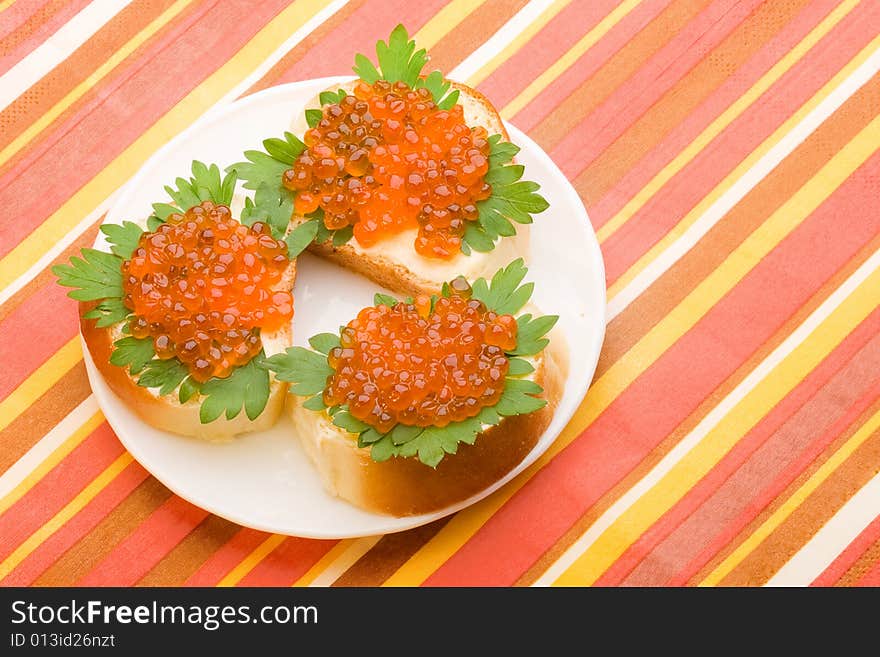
(77, 92)
(800, 496)
(729, 116)
(332, 555)
(235, 575)
(562, 64)
(691, 217)
(5, 5)
(523, 37)
(70, 509)
(704, 456)
(43, 378)
(647, 350)
(93, 193)
(51, 461)
(444, 20)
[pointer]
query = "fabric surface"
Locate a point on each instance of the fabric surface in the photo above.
(728, 154)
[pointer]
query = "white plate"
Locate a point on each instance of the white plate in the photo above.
(264, 480)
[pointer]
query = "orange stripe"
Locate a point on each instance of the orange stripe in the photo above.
(44, 22)
(865, 564)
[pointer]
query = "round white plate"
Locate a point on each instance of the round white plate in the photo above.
(264, 480)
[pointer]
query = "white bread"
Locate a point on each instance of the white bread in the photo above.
(393, 263)
(406, 486)
(165, 412)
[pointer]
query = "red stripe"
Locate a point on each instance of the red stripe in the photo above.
(686, 49)
(871, 578)
(77, 527)
(846, 559)
(358, 34)
(543, 49)
(227, 557)
(638, 420)
(135, 556)
(27, 45)
(287, 562)
(657, 217)
(89, 140)
(58, 487)
(36, 329)
(759, 468)
(772, 108)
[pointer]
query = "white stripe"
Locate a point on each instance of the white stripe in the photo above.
(834, 537)
(346, 560)
(743, 186)
(728, 404)
(253, 77)
(500, 40)
(31, 460)
(57, 48)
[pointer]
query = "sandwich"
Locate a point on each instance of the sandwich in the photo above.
(404, 177)
(420, 403)
(182, 313)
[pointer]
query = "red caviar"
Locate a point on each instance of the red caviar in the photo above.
(414, 366)
(387, 159)
(202, 286)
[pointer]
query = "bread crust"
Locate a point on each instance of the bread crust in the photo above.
(406, 486)
(165, 412)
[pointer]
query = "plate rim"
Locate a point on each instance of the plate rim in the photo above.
(407, 522)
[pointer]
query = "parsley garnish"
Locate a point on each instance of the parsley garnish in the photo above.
(204, 185)
(331, 97)
(247, 386)
(308, 371)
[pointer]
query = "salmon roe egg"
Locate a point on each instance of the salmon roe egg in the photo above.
(420, 367)
(202, 285)
(387, 159)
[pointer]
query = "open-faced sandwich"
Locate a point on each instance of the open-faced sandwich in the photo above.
(403, 177)
(183, 312)
(418, 404)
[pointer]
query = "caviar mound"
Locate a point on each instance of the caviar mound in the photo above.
(387, 159)
(418, 366)
(201, 286)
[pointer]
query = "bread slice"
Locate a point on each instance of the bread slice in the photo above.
(165, 412)
(406, 486)
(393, 263)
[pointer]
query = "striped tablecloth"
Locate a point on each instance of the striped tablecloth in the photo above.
(728, 152)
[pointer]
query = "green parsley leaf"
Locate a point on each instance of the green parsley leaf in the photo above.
(519, 367)
(504, 294)
(512, 199)
(188, 388)
(365, 69)
(108, 312)
(530, 338)
(383, 449)
(324, 342)
(315, 403)
(518, 398)
(380, 299)
(300, 237)
(133, 353)
(331, 97)
(267, 166)
(313, 116)
(342, 235)
(270, 208)
(95, 276)
(163, 374)
(123, 237)
(345, 420)
(247, 386)
(306, 369)
(153, 223)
